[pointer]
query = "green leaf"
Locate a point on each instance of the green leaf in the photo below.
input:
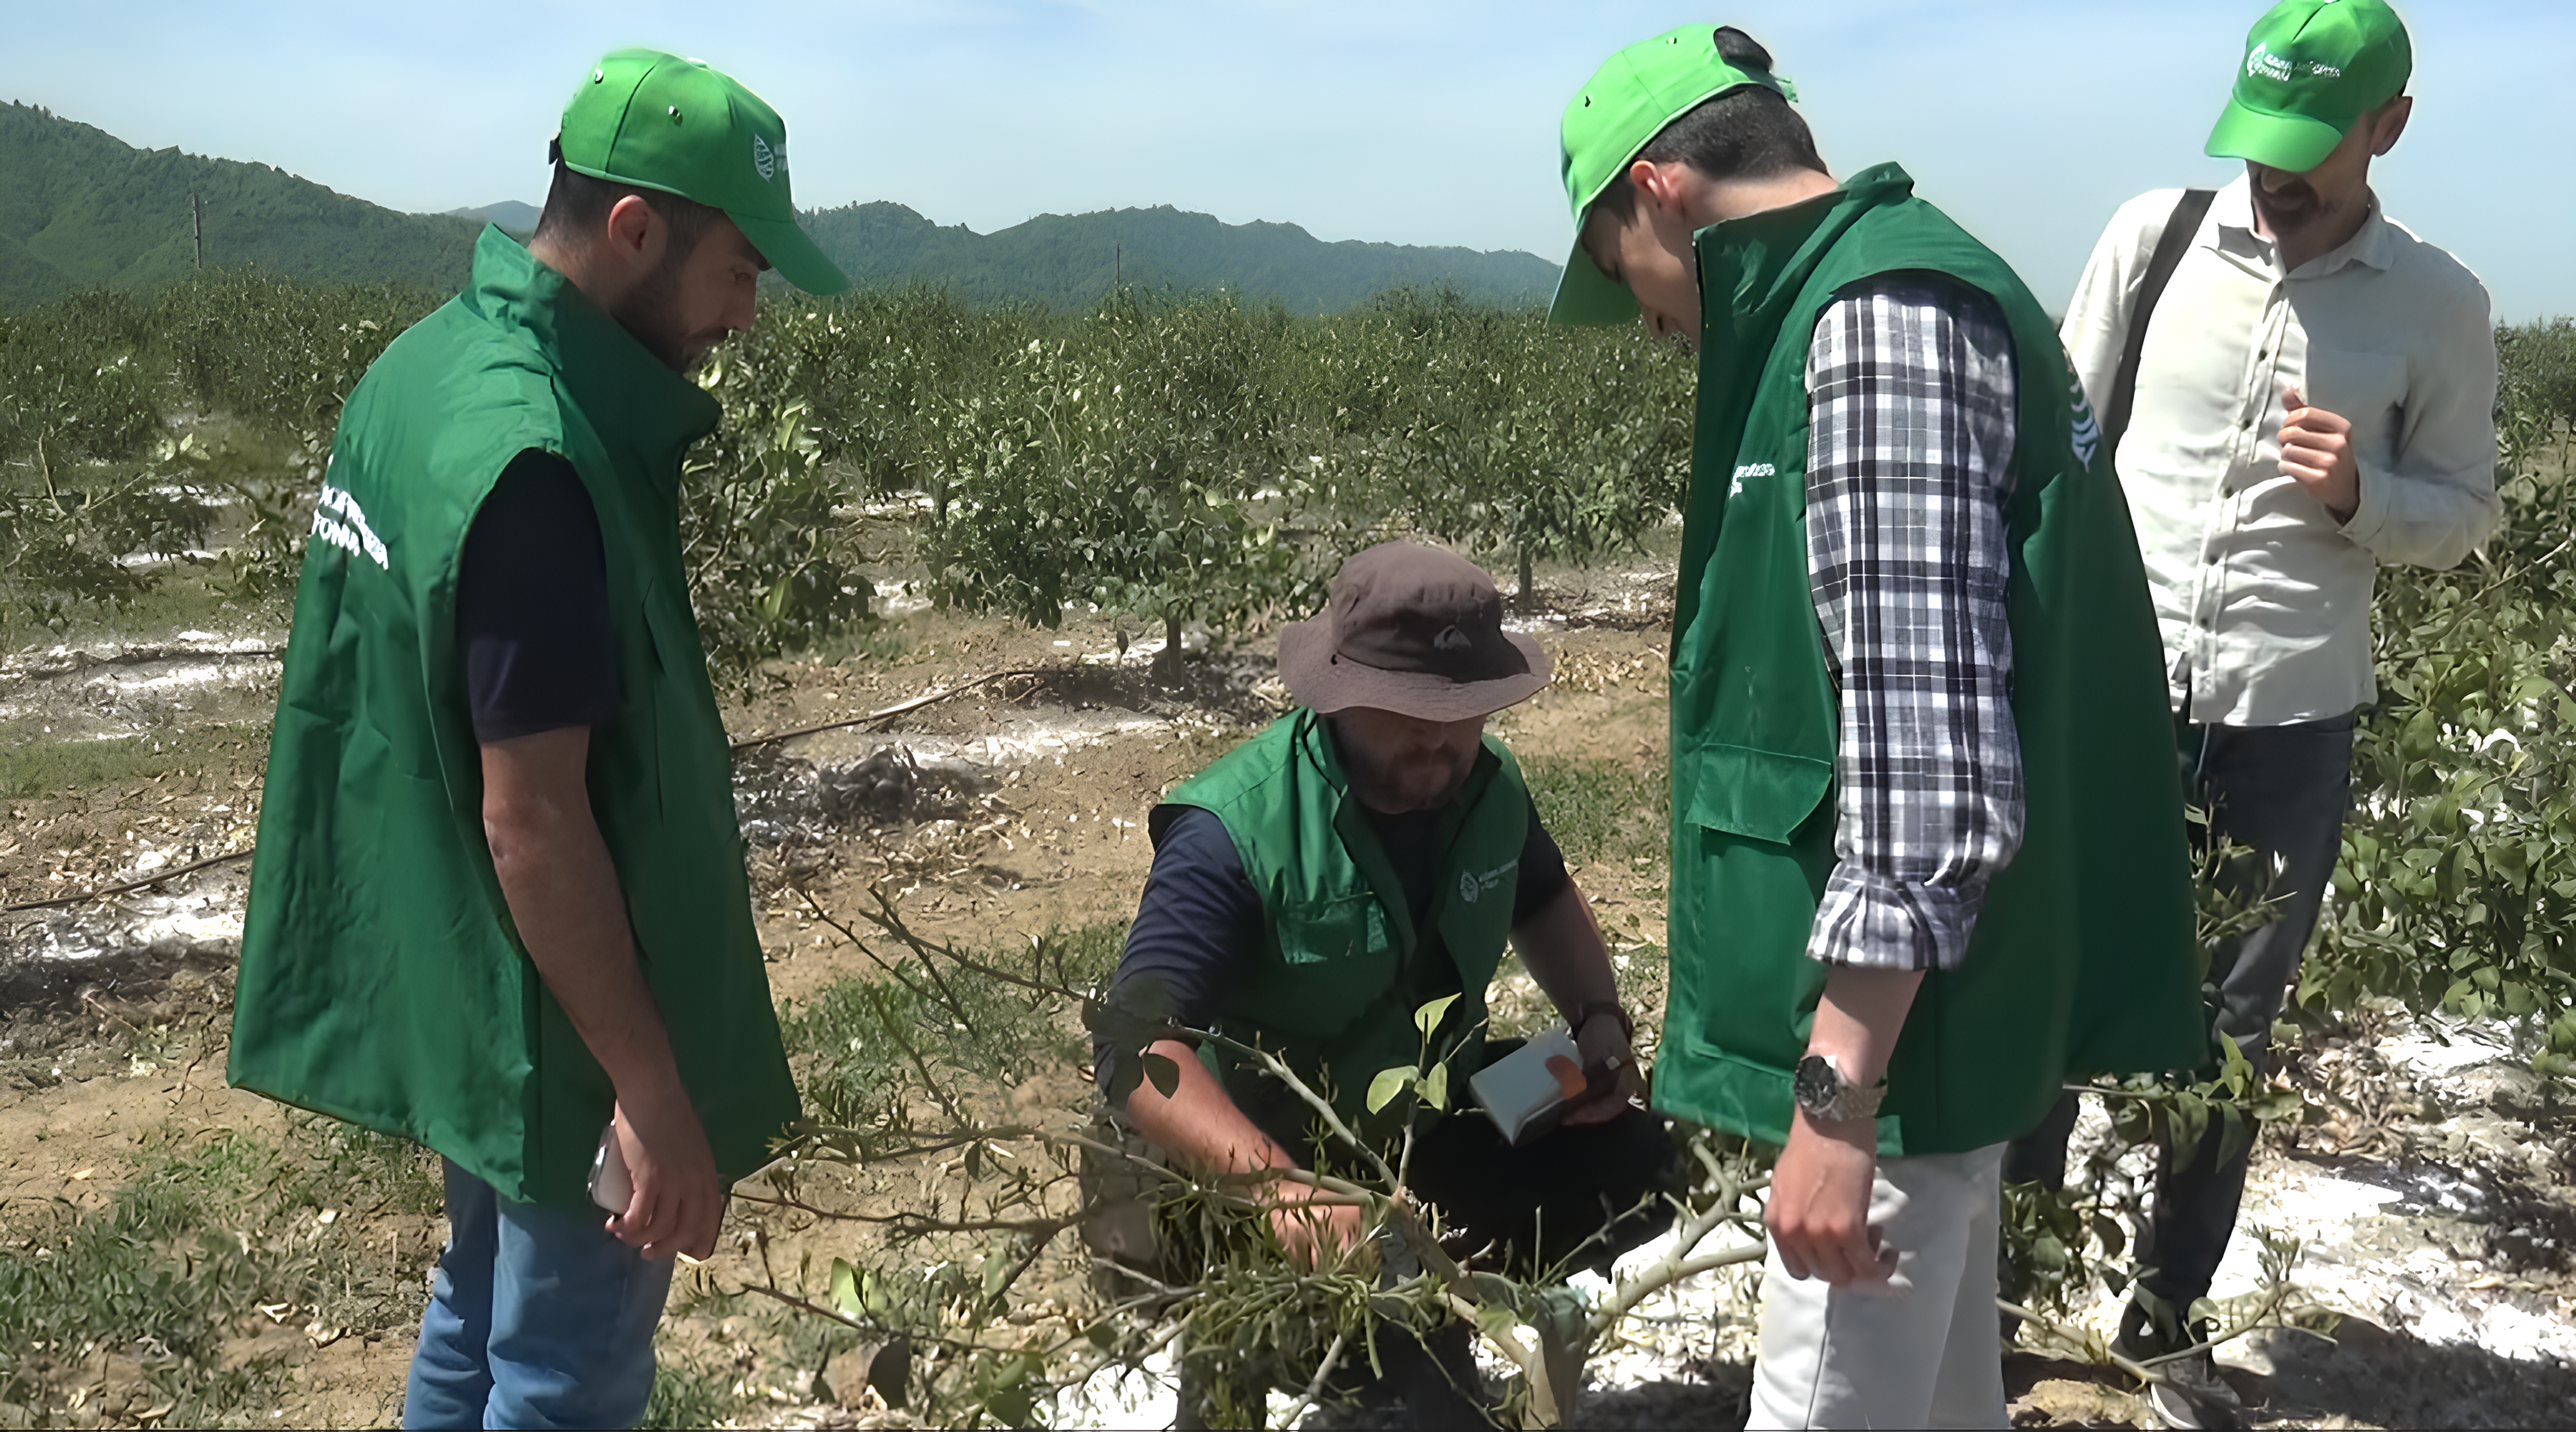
(1435, 1087)
(845, 1289)
(1429, 1016)
(1388, 1083)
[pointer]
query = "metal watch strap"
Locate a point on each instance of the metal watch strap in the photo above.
(1844, 1103)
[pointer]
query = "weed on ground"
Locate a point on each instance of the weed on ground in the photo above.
(152, 1305)
(868, 1037)
(34, 764)
(1601, 811)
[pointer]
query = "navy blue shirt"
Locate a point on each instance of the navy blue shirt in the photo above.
(532, 605)
(1200, 919)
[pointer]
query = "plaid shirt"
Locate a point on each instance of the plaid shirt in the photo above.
(1911, 392)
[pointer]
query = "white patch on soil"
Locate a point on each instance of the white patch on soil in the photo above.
(1014, 740)
(195, 914)
(1614, 598)
(1715, 1316)
(1149, 1396)
(108, 690)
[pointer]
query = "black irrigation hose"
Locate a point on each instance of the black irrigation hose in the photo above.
(155, 878)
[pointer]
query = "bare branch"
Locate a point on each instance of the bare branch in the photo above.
(1315, 1387)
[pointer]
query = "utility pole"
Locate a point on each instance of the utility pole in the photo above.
(197, 227)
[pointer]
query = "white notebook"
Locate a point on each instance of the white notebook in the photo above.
(1525, 1090)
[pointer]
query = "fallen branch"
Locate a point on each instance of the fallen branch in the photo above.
(2083, 1342)
(916, 703)
(130, 886)
(76, 662)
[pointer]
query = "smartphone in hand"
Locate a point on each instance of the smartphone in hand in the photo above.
(611, 1186)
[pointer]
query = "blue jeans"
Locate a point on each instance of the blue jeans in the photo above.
(2282, 790)
(537, 1318)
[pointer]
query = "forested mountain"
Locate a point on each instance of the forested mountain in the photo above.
(1071, 260)
(79, 207)
(516, 216)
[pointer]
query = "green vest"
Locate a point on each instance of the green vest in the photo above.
(1334, 986)
(2083, 958)
(382, 980)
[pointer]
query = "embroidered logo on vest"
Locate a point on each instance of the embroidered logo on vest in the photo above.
(1472, 885)
(2086, 430)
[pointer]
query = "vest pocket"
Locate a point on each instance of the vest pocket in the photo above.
(1329, 931)
(1760, 795)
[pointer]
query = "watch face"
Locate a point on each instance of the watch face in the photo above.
(1816, 1084)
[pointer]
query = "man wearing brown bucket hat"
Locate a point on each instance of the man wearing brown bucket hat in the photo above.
(1368, 853)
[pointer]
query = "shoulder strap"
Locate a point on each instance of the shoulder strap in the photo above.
(2184, 222)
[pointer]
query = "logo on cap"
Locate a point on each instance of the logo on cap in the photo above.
(766, 159)
(2263, 63)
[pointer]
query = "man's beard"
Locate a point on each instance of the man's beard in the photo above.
(1415, 785)
(2293, 209)
(650, 311)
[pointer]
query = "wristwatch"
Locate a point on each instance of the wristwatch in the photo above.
(1823, 1094)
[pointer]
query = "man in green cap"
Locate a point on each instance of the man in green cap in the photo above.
(500, 905)
(1928, 853)
(2295, 389)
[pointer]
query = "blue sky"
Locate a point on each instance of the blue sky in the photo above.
(1420, 123)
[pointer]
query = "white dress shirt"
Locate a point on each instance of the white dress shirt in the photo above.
(2264, 599)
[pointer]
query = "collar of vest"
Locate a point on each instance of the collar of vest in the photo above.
(1751, 269)
(631, 398)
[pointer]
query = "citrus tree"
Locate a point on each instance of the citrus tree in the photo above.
(1491, 431)
(2457, 887)
(1135, 463)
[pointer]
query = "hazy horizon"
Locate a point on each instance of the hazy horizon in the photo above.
(1430, 124)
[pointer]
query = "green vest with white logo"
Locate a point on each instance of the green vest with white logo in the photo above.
(2083, 959)
(382, 980)
(1341, 969)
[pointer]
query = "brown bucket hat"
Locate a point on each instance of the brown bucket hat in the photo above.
(1413, 630)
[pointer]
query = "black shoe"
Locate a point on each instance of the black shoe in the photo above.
(2192, 1394)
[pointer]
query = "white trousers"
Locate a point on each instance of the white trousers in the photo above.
(1921, 1351)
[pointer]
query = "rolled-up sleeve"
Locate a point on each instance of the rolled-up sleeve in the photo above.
(1912, 406)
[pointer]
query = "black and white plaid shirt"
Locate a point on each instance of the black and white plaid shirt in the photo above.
(1911, 390)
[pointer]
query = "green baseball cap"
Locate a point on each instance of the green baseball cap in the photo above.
(657, 121)
(2312, 69)
(1625, 104)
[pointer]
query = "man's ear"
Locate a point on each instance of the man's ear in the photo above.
(634, 232)
(1659, 183)
(2389, 123)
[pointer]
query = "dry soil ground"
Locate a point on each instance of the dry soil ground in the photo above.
(1012, 807)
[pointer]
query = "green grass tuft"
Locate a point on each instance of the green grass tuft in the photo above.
(1602, 811)
(686, 1394)
(201, 1233)
(35, 763)
(863, 1032)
